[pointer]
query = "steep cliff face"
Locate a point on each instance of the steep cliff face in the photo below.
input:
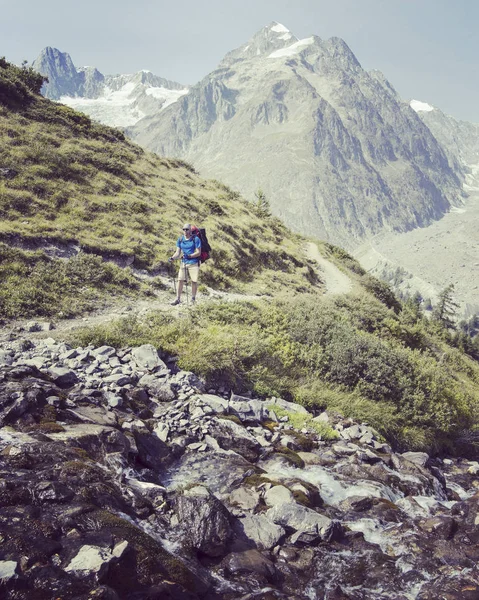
(337, 152)
(459, 138)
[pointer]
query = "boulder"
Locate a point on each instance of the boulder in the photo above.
(298, 518)
(261, 530)
(95, 560)
(152, 452)
(278, 494)
(216, 403)
(249, 562)
(418, 458)
(146, 357)
(285, 405)
(244, 499)
(205, 521)
(63, 377)
(249, 411)
(231, 436)
(158, 388)
(7, 570)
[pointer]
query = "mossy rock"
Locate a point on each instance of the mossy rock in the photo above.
(269, 424)
(45, 427)
(291, 456)
(152, 562)
(80, 469)
(233, 418)
(256, 480)
(304, 442)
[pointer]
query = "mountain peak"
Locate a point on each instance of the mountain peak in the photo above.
(270, 38)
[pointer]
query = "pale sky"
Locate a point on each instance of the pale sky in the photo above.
(428, 49)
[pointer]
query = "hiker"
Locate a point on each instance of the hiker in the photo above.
(189, 246)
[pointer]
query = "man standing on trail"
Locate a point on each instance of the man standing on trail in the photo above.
(189, 246)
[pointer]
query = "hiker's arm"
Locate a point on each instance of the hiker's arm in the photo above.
(197, 252)
(177, 251)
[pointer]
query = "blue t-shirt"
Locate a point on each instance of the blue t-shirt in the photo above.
(188, 247)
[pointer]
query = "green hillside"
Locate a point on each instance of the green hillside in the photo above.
(67, 183)
(64, 179)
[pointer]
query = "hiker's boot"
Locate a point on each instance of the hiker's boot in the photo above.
(176, 302)
(193, 300)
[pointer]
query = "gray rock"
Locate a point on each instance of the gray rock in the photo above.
(95, 559)
(120, 379)
(216, 403)
(285, 405)
(245, 499)
(249, 411)
(298, 517)
(205, 520)
(146, 357)
(5, 358)
(418, 458)
(162, 431)
(231, 436)
(278, 494)
(261, 530)
(248, 562)
(63, 377)
(152, 452)
(104, 352)
(322, 418)
(160, 389)
(7, 570)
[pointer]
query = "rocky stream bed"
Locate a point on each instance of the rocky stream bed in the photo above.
(122, 476)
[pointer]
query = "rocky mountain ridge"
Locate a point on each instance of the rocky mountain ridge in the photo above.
(335, 149)
(116, 100)
(123, 477)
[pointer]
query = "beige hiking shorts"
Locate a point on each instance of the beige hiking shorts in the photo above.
(189, 273)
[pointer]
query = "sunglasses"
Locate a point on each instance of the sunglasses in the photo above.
(186, 229)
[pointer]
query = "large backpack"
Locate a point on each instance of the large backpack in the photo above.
(205, 246)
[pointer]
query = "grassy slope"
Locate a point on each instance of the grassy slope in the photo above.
(84, 183)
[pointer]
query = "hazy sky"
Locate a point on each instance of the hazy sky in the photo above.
(428, 49)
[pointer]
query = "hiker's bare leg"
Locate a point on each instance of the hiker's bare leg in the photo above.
(194, 287)
(180, 288)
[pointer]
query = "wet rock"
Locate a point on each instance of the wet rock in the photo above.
(442, 526)
(250, 562)
(231, 436)
(278, 494)
(152, 452)
(205, 521)
(298, 518)
(261, 530)
(7, 570)
(418, 458)
(52, 491)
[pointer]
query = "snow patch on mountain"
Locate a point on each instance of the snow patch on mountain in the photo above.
(115, 108)
(278, 28)
(293, 49)
(419, 106)
(169, 96)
